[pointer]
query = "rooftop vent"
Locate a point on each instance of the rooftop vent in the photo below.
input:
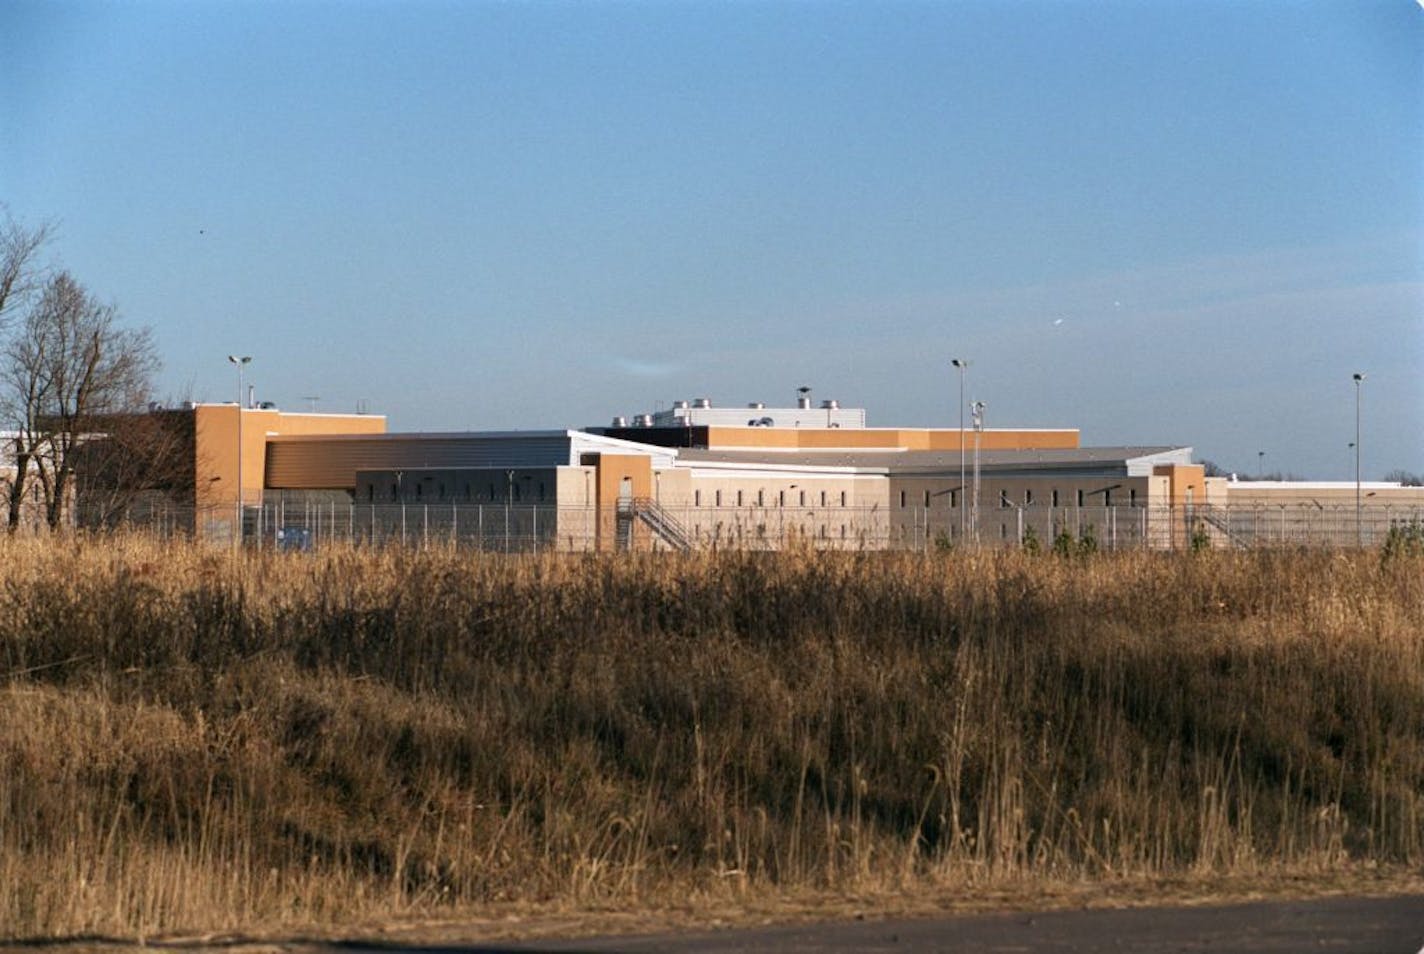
(702, 402)
(679, 405)
(620, 421)
(643, 420)
(831, 404)
(756, 405)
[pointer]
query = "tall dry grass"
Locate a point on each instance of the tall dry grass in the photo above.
(194, 742)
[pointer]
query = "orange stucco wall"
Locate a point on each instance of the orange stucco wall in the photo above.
(909, 438)
(215, 446)
(1183, 481)
(611, 469)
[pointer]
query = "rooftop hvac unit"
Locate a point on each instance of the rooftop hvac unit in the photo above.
(702, 402)
(643, 420)
(831, 404)
(679, 405)
(756, 405)
(620, 421)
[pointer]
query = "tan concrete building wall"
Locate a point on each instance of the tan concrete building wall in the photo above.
(215, 435)
(1337, 495)
(750, 510)
(795, 438)
(610, 472)
(215, 446)
(929, 509)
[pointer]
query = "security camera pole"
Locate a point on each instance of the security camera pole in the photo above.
(239, 361)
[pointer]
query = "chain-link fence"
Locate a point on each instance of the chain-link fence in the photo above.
(313, 523)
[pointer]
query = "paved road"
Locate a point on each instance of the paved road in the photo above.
(1334, 925)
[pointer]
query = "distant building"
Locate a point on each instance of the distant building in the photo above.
(699, 476)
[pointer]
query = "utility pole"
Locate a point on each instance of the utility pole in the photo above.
(978, 409)
(1359, 535)
(963, 365)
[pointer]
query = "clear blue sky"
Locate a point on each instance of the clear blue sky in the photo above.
(1162, 222)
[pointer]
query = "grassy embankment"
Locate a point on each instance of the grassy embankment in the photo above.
(192, 744)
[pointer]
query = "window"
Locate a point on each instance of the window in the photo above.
(739, 498)
(419, 490)
(467, 491)
(541, 490)
(370, 493)
(823, 498)
(781, 498)
(719, 498)
(1080, 498)
(761, 497)
(395, 491)
(953, 499)
(927, 500)
(803, 498)
(697, 498)
(1003, 500)
(491, 491)
(1107, 498)
(1132, 497)
(1028, 498)
(1054, 498)
(843, 503)
(902, 498)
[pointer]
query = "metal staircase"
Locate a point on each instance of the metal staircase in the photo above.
(1219, 527)
(653, 516)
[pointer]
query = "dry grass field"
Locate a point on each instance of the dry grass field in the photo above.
(195, 742)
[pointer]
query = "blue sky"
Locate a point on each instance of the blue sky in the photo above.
(1165, 222)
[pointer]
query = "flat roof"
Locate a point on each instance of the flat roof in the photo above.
(900, 461)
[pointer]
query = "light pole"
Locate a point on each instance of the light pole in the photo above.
(1359, 379)
(978, 410)
(963, 365)
(239, 361)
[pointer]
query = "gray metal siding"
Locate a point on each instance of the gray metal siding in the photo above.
(296, 464)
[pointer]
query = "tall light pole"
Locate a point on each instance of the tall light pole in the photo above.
(963, 365)
(1359, 379)
(978, 410)
(239, 361)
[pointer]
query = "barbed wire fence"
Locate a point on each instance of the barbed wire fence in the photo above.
(519, 527)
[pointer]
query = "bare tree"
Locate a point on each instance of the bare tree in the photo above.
(1402, 476)
(20, 277)
(67, 367)
(20, 273)
(138, 462)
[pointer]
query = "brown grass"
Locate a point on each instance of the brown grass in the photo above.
(194, 743)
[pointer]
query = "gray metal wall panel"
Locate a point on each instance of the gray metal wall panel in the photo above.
(333, 463)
